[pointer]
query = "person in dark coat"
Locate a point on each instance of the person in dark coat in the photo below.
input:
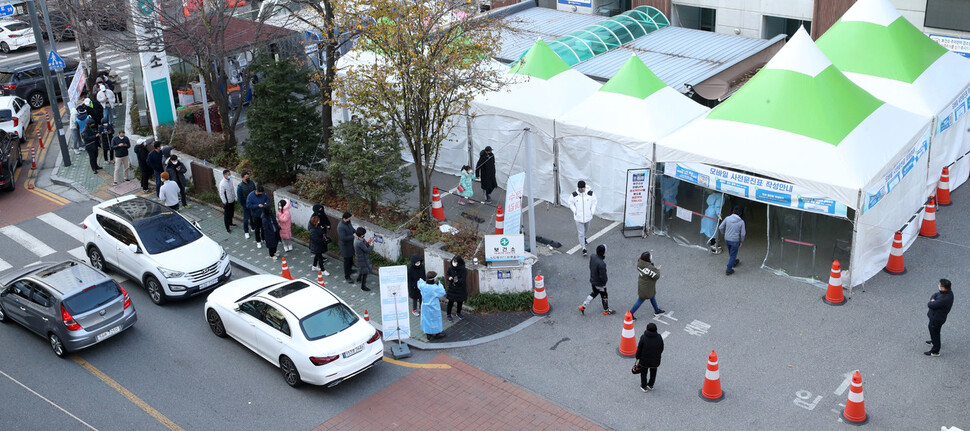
(649, 350)
(245, 187)
(485, 170)
(176, 171)
(120, 146)
(107, 135)
(318, 243)
(598, 279)
(416, 272)
(939, 307)
(362, 249)
(457, 289)
(345, 239)
(141, 153)
(157, 163)
(90, 137)
(255, 202)
(271, 231)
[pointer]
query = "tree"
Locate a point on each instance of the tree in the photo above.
(432, 59)
(93, 22)
(380, 171)
(284, 126)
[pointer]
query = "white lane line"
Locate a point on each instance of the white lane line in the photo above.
(48, 401)
(27, 240)
(665, 335)
(4, 265)
(59, 223)
(593, 238)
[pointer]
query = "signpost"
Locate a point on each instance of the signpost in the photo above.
(54, 61)
(41, 54)
(394, 308)
(635, 206)
(504, 248)
(6, 10)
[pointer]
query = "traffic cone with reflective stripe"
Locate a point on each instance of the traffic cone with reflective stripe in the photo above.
(834, 296)
(628, 339)
(33, 158)
(436, 210)
(40, 140)
(366, 316)
(855, 406)
(712, 381)
(896, 266)
(540, 303)
(943, 189)
(319, 277)
(928, 228)
(286, 270)
(499, 221)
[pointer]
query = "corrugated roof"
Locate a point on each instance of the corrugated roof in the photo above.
(538, 22)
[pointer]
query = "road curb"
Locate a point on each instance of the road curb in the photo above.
(421, 345)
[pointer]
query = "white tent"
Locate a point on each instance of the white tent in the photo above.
(614, 130)
(812, 141)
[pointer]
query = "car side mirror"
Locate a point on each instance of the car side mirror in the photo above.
(236, 309)
(134, 248)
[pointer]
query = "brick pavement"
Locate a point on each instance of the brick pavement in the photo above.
(460, 397)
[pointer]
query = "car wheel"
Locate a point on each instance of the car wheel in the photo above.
(3, 314)
(290, 373)
(37, 100)
(215, 323)
(56, 345)
(4, 47)
(155, 290)
(97, 259)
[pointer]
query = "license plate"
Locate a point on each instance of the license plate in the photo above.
(109, 333)
(354, 351)
(208, 283)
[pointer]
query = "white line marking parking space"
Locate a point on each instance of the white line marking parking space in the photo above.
(27, 240)
(590, 239)
(48, 401)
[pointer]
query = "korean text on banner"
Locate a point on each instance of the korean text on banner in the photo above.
(953, 112)
(513, 203)
(394, 302)
(892, 178)
(504, 248)
(635, 211)
(77, 85)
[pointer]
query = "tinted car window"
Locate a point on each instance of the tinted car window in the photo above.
(327, 321)
(17, 26)
(92, 298)
(253, 308)
(5, 115)
(275, 319)
(41, 297)
(165, 233)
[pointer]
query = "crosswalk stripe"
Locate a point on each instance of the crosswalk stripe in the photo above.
(27, 240)
(4, 265)
(63, 225)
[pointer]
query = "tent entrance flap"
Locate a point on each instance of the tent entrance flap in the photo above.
(803, 245)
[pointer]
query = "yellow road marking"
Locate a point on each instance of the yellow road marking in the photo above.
(31, 176)
(127, 394)
(410, 365)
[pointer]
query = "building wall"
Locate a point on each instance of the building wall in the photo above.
(746, 17)
(915, 12)
(661, 5)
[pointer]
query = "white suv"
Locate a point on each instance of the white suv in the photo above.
(156, 246)
(14, 116)
(15, 35)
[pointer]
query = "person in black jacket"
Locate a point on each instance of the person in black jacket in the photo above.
(318, 242)
(90, 137)
(141, 153)
(939, 306)
(345, 239)
(457, 289)
(155, 161)
(598, 279)
(271, 231)
(485, 170)
(120, 145)
(649, 350)
(107, 136)
(416, 272)
(176, 171)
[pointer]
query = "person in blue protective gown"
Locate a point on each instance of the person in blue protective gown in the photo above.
(431, 290)
(712, 213)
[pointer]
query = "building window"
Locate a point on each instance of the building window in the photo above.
(773, 26)
(698, 18)
(948, 14)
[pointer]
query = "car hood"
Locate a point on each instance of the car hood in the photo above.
(194, 256)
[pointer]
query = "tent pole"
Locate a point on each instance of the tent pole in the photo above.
(650, 192)
(555, 164)
(468, 130)
(855, 231)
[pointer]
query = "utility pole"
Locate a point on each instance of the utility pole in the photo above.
(42, 54)
(61, 80)
(530, 190)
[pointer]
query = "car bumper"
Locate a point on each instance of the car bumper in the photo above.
(225, 273)
(329, 377)
(79, 341)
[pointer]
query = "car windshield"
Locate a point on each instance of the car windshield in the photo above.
(17, 26)
(165, 232)
(92, 298)
(327, 321)
(5, 115)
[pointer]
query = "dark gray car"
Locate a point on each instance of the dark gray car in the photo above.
(69, 303)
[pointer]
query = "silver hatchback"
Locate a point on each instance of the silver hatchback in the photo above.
(70, 303)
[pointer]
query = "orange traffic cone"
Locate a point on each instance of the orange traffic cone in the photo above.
(499, 221)
(855, 406)
(834, 296)
(286, 270)
(40, 140)
(366, 316)
(319, 278)
(540, 304)
(896, 266)
(928, 228)
(712, 381)
(436, 210)
(943, 189)
(628, 339)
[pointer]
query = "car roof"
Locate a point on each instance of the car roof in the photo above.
(133, 208)
(68, 276)
(301, 297)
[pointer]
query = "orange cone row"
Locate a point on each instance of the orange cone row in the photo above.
(834, 296)
(437, 211)
(499, 221)
(628, 339)
(540, 303)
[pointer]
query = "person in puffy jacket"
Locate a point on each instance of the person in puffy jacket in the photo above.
(457, 288)
(255, 202)
(466, 185)
(582, 202)
(363, 247)
(245, 187)
(416, 272)
(649, 351)
(271, 231)
(345, 239)
(598, 279)
(283, 217)
(647, 275)
(318, 243)
(939, 307)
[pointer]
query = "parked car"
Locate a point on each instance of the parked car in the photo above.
(15, 35)
(14, 117)
(69, 303)
(156, 246)
(24, 79)
(60, 24)
(308, 332)
(10, 160)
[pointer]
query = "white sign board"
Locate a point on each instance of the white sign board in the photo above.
(154, 62)
(74, 91)
(513, 203)
(394, 302)
(958, 45)
(504, 248)
(635, 211)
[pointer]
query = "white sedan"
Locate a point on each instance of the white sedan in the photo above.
(297, 325)
(14, 116)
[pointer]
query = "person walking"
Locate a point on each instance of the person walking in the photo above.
(120, 144)
(647, 275)
(141, 153)
(255, 202)
(465, 187)
(416, 272)
(363, 248)
(318, 243)
(271, 231)
(176, 171)
(345, 240)
(583, 204)
(90, 136)
(228, 198)
(106, 98)
(485, 170)
(732, 229)
(168, 193)
(431, 290)
(284, 218)
(598, 279)
(156, 163)
(107, 136)
(245, 187)
(457, 287)
(649, 350)
(939, 307)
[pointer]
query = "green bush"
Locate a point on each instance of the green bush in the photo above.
(191, 140)
(299, 232)
(490, 302)
(378, 260)
(382, 172)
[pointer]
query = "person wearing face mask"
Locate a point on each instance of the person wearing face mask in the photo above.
(485, 169)
(465, 189)
(228, 197)
(457, 288)
(416, 272)
(583, 204)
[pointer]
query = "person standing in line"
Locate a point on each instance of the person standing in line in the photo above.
(939, 307)
(156, 163)
(228, 198)
(271, 231)
(485, 170)
(168, 193)
(416, 272)
(583, 204)
(431, 290)
(255, 202)
(107, 136)
(176, 171)
(318, 243)
(457, 287)
(120, 145)
(106, 99)
(345, 240)
(141, 153)
(90, 136)
(598, 279)
(649, 350)
(732, 229)
(647, 275)
(465, 185)
(243, 190)
(324, 223)
(363, 248)
(284, 218)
